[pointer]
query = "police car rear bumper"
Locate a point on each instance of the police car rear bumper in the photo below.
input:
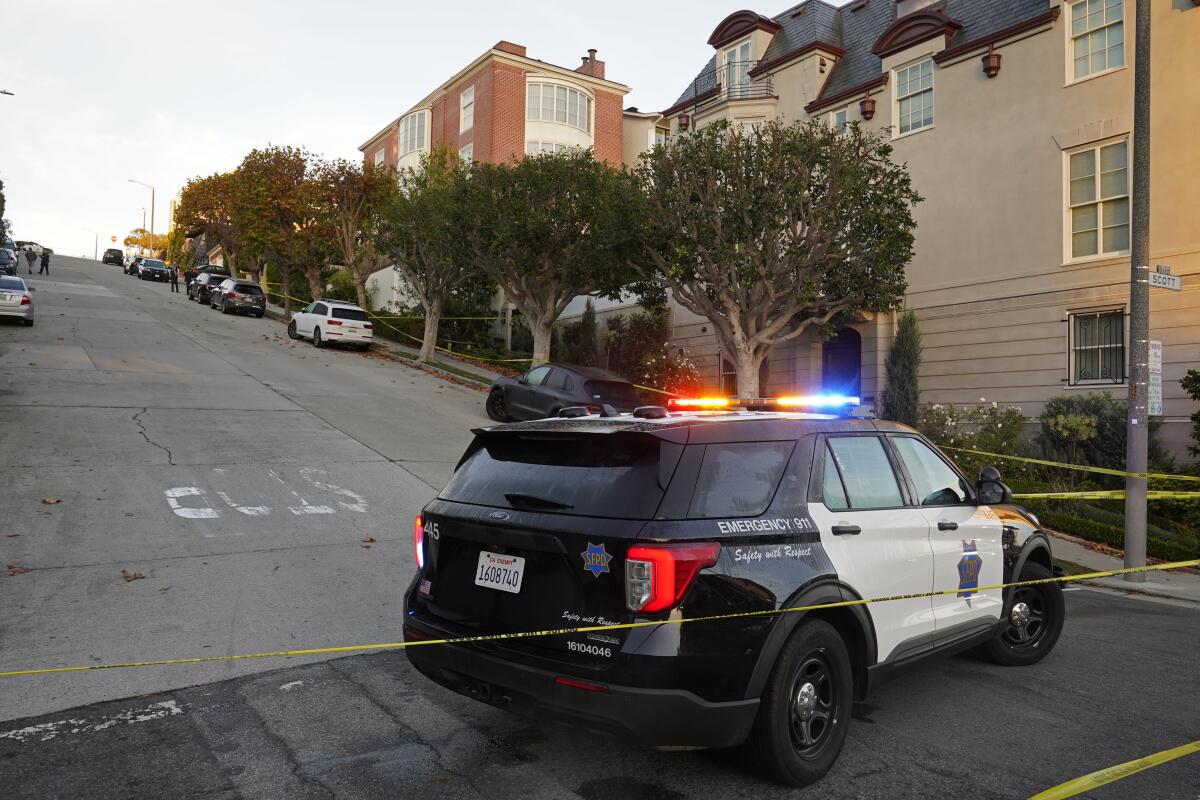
(655, 717)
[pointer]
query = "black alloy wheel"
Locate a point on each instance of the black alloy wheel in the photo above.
(495, 406)
(804, 712)
(1035, 620)
(317, 340)
(291, 330)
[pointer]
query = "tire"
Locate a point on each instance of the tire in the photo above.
(258, 315)
(495, 407)
(28, 323)
(805, 709)
(1034, 624)
(292, 330)
(317, 340)
(225, 308)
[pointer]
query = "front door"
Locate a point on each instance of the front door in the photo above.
(841, 363)
(966, 539)
(878, 544)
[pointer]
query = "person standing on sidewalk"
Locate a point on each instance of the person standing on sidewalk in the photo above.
(30, 257)
(174, 279)
(45, 263)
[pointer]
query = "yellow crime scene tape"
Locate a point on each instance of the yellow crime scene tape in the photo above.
(1114, 494)
(1077, 467)
(1101, 777)
(495, 637)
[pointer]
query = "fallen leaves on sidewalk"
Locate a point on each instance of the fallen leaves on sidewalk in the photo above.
(50, 501)
(13, 569)
(131, 576)
(368, 541)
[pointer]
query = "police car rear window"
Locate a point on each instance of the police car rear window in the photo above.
(601, 475)
(738, 479)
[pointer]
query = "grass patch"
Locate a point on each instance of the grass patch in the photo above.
(462, 373)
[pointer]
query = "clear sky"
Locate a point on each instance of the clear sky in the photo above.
(162, 91)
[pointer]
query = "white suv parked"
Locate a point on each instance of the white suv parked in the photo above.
(331, 322)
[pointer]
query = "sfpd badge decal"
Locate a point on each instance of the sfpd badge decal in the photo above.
(595, 559)
(969, 567)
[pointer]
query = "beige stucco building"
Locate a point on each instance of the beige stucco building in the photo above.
(1015, 121)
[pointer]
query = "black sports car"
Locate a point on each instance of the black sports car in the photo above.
(546, 389)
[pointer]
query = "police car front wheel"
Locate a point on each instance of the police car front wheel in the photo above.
(805, 708)
(1035, 620)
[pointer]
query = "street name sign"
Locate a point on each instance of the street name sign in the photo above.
(1164, 280)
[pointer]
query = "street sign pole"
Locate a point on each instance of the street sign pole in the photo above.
(1137, 423)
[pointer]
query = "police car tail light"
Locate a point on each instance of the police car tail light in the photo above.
(419, 541)
(658, 576)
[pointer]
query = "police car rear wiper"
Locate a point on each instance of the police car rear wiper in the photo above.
(533, 503)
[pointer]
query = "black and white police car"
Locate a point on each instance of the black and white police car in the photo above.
(728, 509)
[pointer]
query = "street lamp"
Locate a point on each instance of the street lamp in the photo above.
(96, 246)
(6, 91)
(151, 188)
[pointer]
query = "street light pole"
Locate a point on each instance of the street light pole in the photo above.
(151, 188)
(95, 245)
(1138, 422)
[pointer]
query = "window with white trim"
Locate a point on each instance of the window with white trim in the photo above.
(466, 109)
(1097, 36)
(467, 151)
(661, 135)
(840, 119)
(534, 148)
(550, 102)
(412, 133)
(379, 156)
(1098, 200)
(1097, 346)
(914, 96)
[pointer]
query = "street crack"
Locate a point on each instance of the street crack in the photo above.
(142, 430)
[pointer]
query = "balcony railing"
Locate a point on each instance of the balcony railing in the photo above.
(728, 81)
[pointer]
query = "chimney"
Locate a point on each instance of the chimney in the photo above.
(509, 47)
(591, 66)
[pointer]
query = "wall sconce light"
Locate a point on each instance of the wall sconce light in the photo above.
(684, 122)
(991, 62)
(867, 107)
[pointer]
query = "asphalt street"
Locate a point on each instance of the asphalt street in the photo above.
(240, 474)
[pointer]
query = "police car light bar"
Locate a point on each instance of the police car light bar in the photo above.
(816, 401)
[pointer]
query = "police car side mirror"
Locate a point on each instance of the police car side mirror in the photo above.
(993, 492)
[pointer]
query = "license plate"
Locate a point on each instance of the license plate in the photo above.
(6, 298)
(496, 571)
(352, 328)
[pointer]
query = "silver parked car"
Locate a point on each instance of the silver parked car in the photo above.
(16, 299)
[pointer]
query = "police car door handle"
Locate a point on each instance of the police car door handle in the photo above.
(842, 530)
(947, 526)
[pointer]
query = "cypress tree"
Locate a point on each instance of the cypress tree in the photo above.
(902, 393)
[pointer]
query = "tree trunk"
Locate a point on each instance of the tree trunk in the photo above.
(542, 330)
(286, 271)
(313, 276)
(748, 367)
(433, 317)
(360, 286)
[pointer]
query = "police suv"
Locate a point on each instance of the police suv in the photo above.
(702, 524)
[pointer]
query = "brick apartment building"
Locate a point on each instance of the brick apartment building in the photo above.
(504, 105)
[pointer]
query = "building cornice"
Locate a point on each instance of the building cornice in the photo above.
(852, 92)
(799, 52)
(966, 48)
(739, 24)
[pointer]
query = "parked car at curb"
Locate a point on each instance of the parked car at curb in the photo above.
(202, 287)
(151, 269)
(8, 261)
(190, 277)
(113, 256)
(548, 388)
(16, 299)
(332, 322)
(623, 527)
(233, 296)
(134, 265)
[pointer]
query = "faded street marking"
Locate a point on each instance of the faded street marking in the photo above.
(188, 512)
(49, 730)
(309, 472)
(253, 511)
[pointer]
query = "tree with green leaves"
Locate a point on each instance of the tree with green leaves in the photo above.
(579, 340)
(145, 241)
(418, 232)
(777, 231)
(547, 229)
(268, 204)
(902, 392)
(353, 193)
(1191, 385)
(208, 204)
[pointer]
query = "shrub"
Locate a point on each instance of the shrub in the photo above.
(902, 392)
(577, 342)
(990, 428)
(639, 349)
(1107, 447)
(1191, 385)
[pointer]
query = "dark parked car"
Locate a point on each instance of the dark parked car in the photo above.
(190, 273)
(233, 296)
(152, 269)
(135, 265)
(8, 262)
(113, 255)
(547, 389)
(201, 289)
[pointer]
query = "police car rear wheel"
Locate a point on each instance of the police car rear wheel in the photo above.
(1034, 621)
(805, 709)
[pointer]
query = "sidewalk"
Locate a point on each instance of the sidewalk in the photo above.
(1175, 584)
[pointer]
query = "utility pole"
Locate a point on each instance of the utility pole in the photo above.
(95, 244)
(1138, 423)
(151, 188)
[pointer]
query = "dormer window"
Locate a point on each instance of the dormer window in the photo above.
(737, 69)
(908, 6)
